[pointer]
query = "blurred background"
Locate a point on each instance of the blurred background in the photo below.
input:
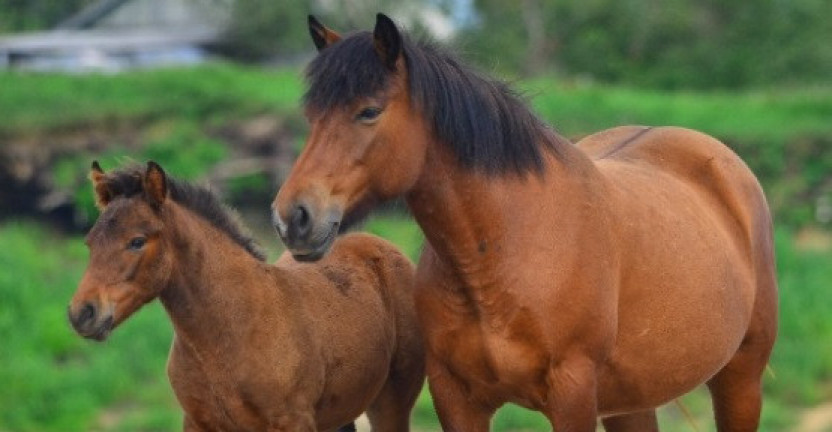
(211, 88)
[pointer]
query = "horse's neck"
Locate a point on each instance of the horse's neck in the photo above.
(472, 220)
(214, 284)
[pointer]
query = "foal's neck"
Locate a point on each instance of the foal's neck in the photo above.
(214, 284)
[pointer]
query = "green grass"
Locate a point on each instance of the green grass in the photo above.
(36, 102)
(757, 115)
(33, 103)
(55, 381)
(52, 380)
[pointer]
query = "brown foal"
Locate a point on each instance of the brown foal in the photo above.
(286, 347)
(601, 279)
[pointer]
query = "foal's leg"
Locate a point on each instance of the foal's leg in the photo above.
(390, 411)
(644, 421)
(457, 411)
(573, 396)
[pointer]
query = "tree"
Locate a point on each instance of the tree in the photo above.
(669, 44)
(29, 15)
(266, 28)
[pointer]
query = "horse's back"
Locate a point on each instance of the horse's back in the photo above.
(394, 273)
(694, 168)
(365, 252)
(361, 270)
(698, 163)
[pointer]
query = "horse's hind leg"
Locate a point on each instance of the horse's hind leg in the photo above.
(736, 390)
(737, 394)
(644, 421)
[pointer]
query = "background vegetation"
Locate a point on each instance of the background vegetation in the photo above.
(754, 73)
(784, 134)
(666, 44)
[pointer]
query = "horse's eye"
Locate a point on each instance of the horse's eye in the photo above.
(368, 115)
(136, 243)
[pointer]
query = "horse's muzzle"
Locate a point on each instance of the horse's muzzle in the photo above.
(308, 233)
(89, 322)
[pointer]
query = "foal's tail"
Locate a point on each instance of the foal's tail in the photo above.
(347, 428)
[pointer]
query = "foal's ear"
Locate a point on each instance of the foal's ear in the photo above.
(155, 184)
(102, 191)
(322, 36)
(387, 40)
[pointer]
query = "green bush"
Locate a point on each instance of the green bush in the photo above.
(181, 148)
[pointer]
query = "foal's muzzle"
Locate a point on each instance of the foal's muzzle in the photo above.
(308, 233)
(91, 321)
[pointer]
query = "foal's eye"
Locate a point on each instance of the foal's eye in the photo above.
(136, 243)
(368, 115)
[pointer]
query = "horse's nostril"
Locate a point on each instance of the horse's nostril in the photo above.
(301, 220)
(87, 313)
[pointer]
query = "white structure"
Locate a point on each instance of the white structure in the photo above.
(111, 35)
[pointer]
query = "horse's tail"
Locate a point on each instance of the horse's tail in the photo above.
(347, 428)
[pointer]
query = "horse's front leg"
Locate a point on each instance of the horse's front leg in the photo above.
(298, 421)
(457, 410)
(572, 405)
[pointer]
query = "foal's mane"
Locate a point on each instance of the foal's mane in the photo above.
(487, 124)
(127, 182)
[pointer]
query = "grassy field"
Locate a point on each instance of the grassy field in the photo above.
(34, 103)
(51, 380)
(55, 381)
(783, 134)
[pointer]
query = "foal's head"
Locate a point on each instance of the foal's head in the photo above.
(139, 241)
(377, 101)
(129, 263)
(136, 245)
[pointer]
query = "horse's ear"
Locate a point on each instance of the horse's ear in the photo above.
(387, 40)
(322, 36)
(102, 191)
(155, 184)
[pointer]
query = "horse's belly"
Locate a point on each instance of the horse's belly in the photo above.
(666, 347)
(351, 390)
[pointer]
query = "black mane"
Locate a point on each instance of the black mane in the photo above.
(127, 182)
(488, 126)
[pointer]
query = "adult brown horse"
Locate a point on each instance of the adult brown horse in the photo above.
(287, 347)
(602, 279)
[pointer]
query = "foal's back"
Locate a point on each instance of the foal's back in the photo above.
(361, 295)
